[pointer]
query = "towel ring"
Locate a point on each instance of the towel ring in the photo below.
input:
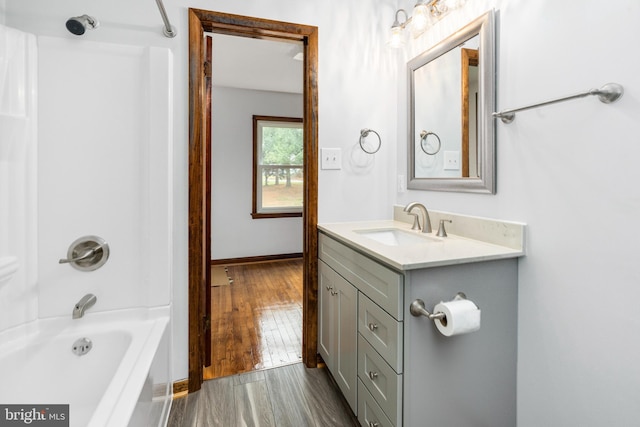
(363, 134)
(424, 135)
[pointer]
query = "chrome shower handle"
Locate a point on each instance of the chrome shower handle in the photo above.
(84, 256)
(87, 253)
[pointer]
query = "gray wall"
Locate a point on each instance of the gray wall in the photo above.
(234, 234)
(570, 172)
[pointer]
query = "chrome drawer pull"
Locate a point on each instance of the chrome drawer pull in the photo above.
(373, 327)
(328, 287)
(373, 375)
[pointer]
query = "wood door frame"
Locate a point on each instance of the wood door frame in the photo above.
(469, 58)
(201, 21)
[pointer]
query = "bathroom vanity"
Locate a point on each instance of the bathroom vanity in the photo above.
(396, 369)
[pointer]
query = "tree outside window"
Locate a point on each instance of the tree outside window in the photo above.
(278, 155)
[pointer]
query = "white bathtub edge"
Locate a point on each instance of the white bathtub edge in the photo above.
(120, 398)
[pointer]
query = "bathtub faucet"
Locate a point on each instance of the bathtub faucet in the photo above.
(86, 302)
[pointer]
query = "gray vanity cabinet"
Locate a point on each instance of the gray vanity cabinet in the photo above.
(470, 379)
(398, 370)
(378, 331)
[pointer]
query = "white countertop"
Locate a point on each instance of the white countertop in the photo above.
(434, 252)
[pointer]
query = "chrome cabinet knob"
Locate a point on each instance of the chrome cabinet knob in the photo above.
(373, 375)
(373, 327)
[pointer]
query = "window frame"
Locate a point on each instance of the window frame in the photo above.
(257, 211)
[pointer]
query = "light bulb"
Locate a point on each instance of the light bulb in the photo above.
(420, 18)
(454, 4)
(396, 40)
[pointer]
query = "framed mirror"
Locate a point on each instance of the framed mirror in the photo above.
(451, 129)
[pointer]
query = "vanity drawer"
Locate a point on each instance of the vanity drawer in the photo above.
(383, 285)
(369, 412)
(382, 331)
(380, 379)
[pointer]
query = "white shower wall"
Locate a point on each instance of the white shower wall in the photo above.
(18, 138)
(105, 170)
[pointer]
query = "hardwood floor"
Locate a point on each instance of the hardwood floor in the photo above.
(256, 377)
(257, 320)
(291, 395)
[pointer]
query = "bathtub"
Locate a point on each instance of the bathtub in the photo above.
(123, 380)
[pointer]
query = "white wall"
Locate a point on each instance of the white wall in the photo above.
(568, 171)
(18, 177)
(357, 89)
(104, 169)
(231, 176)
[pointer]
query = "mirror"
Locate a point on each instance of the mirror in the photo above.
(451, 135)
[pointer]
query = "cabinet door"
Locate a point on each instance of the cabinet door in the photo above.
(346, 371)
(338, 330)
(326, 314)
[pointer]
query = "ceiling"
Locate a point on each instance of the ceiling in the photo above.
(259, 64)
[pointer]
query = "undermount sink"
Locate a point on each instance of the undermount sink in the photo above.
(397, 237)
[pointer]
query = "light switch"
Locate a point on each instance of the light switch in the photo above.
(452, 160)
(331, 158)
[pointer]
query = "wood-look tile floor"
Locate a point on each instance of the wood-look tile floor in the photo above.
(256, 322)
(288, 396)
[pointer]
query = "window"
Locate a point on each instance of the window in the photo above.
(277, 167)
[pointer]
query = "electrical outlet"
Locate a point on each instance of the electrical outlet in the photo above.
(451, 160)
(402, 184)
(331, 158)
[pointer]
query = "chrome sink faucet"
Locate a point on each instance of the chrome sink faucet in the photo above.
(426, 221)
(85, 303)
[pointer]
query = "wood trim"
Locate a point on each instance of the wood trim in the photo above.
(310, 217)
(207, 211)
(469, 58)
(254, 195)
(276, 215)
(197, 196)
(180, 387)
(199, 22)
(255, 259)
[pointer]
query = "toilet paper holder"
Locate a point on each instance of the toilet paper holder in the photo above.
(417, 308)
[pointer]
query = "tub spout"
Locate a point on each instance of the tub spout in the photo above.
(85, 303)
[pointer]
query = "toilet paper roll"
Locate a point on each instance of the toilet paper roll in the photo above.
(462, 317)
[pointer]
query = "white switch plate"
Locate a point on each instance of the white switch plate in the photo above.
(330, 158)
(402, 184)
(451, 160)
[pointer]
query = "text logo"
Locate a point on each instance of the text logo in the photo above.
(34, 415)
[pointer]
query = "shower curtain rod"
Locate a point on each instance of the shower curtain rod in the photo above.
(168, 30)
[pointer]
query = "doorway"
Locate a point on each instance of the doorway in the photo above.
(201, 21)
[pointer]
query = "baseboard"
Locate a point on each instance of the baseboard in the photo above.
(180, 388)
(255, 259)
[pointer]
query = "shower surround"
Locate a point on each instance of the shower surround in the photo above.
(85, 149)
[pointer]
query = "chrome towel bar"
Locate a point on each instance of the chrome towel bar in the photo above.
(607, 94)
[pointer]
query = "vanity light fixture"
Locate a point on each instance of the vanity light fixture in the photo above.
(425, 13)
(420, 18)
(396, 40)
